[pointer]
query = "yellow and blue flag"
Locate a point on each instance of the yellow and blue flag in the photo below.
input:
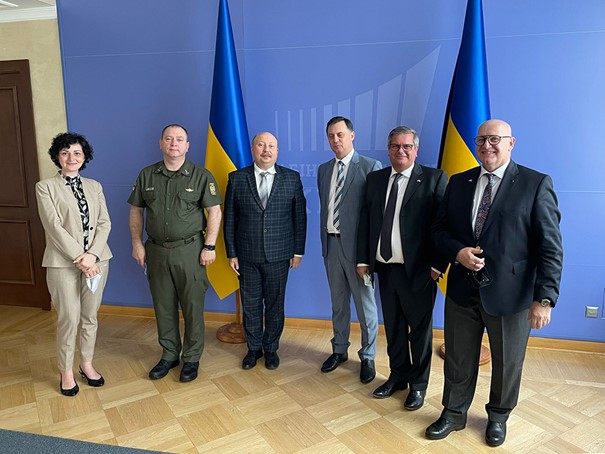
(228, 146)
(468, 104)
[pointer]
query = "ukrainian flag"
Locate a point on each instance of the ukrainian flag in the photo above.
(468, 104)
(228, 146)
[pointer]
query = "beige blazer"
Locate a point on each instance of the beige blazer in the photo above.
(60, 217)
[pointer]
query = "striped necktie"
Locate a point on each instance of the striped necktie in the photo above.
(340, 179)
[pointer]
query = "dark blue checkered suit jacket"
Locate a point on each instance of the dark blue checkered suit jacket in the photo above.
(273, 234)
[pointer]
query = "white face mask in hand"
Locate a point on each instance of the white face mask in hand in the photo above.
(93, 282)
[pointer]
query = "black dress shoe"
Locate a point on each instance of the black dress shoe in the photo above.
(495, 433)
(442, 428)
(333, 361)
(161, 369)
(96, 382)
(388, 388)
(415, 400)
(271, 360)
(368, 371)
(250, 359)
(189, 371)
(68, 392)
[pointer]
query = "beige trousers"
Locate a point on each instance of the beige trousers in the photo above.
(77, 309)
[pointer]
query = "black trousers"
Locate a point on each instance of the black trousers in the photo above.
(263, 290)
(508, 335)
(408, 323)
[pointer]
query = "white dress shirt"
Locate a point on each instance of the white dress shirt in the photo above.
(269, 178)
(482, 183)
(396, 246)
(346, 161)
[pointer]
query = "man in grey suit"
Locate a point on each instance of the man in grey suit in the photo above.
(341, 183)
(265, 227)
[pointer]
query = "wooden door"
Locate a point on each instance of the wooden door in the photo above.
(22, 278)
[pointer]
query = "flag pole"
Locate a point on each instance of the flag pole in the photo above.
(467, 109)
(227, 150)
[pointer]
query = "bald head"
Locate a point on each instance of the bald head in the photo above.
(494, 156)
(264, 150)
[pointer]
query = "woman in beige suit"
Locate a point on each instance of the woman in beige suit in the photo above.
(77, 225)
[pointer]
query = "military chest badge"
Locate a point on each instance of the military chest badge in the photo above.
(212, 188)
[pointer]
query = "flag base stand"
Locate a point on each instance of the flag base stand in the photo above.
(233, 333)
(484, 358)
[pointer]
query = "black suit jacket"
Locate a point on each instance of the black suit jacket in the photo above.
(418, 210)
(273, 234)
(521, 239)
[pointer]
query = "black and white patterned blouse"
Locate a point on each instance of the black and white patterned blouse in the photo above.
(76, 186)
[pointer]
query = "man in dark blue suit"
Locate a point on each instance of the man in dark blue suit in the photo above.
(265, 226)
(498, 226)
(394, 240)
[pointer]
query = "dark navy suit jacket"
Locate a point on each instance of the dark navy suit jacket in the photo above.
(521, 239)
(418, 210)
(273, 234)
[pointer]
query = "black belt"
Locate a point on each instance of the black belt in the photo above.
(335, 235)
(177, 243)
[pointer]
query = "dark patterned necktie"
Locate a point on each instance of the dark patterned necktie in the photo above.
(386, 250)
(484, 206)
(76, 187)
(340, 179)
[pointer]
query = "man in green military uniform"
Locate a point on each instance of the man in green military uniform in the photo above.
(179, 246)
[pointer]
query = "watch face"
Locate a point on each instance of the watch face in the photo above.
(545, 303)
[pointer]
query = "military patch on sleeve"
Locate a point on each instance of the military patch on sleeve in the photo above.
(212, 188)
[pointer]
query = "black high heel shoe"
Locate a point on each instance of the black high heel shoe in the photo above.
(68, 392)
(92, 382)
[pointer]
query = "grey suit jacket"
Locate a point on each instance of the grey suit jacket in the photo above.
(62, 224)
(352, 199)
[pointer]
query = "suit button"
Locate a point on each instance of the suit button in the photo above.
(91, 228)
(265, 230)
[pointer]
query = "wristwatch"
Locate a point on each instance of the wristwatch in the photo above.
(546, 302)
(209, 247)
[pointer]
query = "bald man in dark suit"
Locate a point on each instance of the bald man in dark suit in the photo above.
(265, 227)
(498, 226)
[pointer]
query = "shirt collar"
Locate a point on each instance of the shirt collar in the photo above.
(258, 170)
(499, 172)
(406, 173)
(185, 169)
(347, 159)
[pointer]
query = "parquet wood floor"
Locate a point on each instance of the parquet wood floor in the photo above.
(294, 409)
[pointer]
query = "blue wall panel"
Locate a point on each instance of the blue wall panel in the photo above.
(132, 67)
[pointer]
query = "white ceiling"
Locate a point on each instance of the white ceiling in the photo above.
(27, 10)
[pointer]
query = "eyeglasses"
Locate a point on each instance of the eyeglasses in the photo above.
(493, 140)
(405, 146)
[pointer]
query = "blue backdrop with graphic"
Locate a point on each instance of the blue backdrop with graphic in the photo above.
(132, 67)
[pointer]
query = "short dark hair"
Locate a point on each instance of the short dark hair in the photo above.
(65, 140)
(333, 120)
(175, 125)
